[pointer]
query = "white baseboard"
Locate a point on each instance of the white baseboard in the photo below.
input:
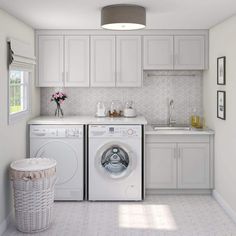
(5, 223)
(178, 191)
(224, 205)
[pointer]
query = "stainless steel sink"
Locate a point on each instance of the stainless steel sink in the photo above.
(173, 127)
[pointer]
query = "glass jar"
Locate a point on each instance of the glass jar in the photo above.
(115, 109)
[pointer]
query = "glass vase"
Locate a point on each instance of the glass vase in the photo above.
(59, 111)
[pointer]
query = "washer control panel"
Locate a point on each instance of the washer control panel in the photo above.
(115, 131)
(63, 131)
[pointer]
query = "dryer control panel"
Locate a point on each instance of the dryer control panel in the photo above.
(63, 131)
(115, 131)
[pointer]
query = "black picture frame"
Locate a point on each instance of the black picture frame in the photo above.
(221, 104)
(221, 70)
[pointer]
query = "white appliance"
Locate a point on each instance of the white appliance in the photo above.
(65, 144)
(115, 163)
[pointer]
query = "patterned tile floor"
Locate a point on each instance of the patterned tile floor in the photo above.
(163, 215)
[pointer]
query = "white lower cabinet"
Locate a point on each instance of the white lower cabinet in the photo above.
(193, 165)
(161, 165)
(178, 165)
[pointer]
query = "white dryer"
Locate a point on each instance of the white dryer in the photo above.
(65, 144)
(115, 163)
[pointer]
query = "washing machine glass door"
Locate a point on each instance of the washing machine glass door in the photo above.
(116, 161)
(65, 156)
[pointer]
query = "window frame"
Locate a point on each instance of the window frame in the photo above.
(16, 117)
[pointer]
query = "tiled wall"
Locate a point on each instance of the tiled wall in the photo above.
(184, 87)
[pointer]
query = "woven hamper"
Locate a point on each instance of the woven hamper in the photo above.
(33, 183)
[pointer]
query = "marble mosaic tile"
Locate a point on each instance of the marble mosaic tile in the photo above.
(184, 87)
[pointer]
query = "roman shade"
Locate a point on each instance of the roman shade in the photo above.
(20, 54)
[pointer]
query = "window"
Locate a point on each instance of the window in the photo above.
(18, 93)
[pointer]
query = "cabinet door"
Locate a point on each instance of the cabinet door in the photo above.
(158, 52)
(193, 166)
(50, 61)
(128, 61)
(77, 61)
(103, 61)
(189, 52)
(161, 166)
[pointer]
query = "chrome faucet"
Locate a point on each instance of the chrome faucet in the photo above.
(172, 121)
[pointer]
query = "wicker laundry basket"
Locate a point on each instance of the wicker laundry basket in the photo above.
(33, 184)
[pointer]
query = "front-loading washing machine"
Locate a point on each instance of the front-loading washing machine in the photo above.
(65, 144)
(115, 163)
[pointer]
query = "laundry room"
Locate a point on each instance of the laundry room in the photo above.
(116, 118)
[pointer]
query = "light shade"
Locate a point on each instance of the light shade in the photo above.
(123, 17)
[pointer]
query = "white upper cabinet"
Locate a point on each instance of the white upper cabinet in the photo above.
(63, 61)
(102, 65)
(186, 52)
(96, 60)
(128, 61)
(189, 52)
(193, 166)
(158, 52)
(50, 61)
(77, 61)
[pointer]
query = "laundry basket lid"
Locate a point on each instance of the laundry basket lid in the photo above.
(33, 164)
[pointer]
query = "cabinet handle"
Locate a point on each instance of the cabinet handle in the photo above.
(67, 76)
(176, 59)
(63, 78)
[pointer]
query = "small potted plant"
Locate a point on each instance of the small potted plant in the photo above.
(58, 98)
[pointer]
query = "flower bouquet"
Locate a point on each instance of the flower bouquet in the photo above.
(58, 98)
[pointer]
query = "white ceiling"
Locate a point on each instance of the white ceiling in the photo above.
(85, 14)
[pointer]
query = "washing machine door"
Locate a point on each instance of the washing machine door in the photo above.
(115, 160)
(65, 156)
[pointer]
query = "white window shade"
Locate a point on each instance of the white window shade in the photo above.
(20, 54)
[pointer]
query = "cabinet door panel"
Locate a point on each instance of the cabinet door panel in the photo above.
(193, 166)
(103, 61)
(128, 61)
(50, 61)
(161, 166)
(77, 61)
(189, 52)
(158, 52)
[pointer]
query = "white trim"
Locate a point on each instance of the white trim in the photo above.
(225, 205)
(16, 117)
(115, 32)
(4, 224)
(178, 191)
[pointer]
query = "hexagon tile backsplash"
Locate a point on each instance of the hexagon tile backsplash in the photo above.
(184, 87)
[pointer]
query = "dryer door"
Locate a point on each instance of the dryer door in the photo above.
(65, 156)
(115, 160)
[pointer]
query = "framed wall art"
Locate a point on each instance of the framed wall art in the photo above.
(221, 70)
(221, 105)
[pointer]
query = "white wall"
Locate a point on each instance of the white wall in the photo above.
(12, 137)
(222, 41)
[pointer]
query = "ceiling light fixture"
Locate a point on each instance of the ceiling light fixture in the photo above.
(123, 17)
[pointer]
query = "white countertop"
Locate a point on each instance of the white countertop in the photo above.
(149, 130)
(139, 120)
(86, 120)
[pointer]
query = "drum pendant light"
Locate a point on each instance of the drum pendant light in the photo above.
(123, 17)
